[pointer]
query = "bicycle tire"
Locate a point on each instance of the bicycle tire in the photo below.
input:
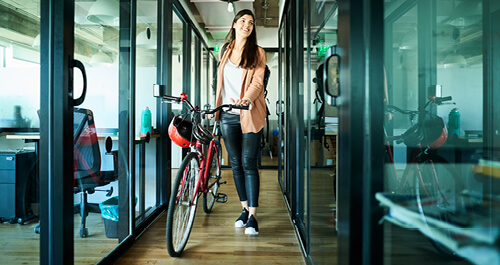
(214, 175)
(182, 207)
(436, 195)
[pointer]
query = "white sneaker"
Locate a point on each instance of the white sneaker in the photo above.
(242, 220)
(252, 227)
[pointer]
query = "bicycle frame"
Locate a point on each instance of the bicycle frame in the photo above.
(201, 186)
(416, 154)
(203, 170)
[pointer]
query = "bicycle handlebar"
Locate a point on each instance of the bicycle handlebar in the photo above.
(439, 100)
(436, 100)
(172, 99)
(227, 107)
(183, 98)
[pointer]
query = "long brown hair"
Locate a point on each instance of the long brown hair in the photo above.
(249, 53)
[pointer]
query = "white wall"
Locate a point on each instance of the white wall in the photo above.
(465, 85)
(267, 37)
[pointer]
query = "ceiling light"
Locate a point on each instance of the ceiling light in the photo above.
(146, 39)
(409, 40)
(104, 12)
(466, 13)
(230, 5)
(36, 41)
(100, 58)
(454, 60)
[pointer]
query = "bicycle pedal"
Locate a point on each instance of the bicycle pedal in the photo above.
(223, 182)
(221, 198)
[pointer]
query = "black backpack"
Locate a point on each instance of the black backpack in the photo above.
(267, 73)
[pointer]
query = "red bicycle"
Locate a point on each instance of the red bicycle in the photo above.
(429, 184)
(199, 173)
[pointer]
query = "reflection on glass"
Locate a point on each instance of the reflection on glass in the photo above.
(306, 105)
(270, 149)
(435, 182)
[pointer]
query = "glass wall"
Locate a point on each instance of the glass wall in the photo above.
(440, 171)
(204, 85)
(280, 145)
(192, 74)
(19, 103)
(177, 77)
(212, 63)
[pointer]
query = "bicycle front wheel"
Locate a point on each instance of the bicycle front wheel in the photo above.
(213, 178)
(182, 205)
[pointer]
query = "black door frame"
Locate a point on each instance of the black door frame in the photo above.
(56, 132)
(361, 46)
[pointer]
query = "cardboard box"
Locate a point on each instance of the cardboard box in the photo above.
(321, 156)
(225, 157)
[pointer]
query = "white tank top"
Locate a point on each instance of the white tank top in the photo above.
(232, 84)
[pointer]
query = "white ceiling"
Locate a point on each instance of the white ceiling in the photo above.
(217, 20)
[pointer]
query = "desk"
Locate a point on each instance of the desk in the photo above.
(34, 137)
(140, 141)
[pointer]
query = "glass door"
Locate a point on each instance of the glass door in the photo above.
(146, 108)
(280, 144)
(101, 173)
(19, 130)
(323, 129)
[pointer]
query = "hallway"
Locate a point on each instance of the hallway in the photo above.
(214, 240)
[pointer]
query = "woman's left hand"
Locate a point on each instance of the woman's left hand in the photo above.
(241, 102)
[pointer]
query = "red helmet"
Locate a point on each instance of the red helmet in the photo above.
(440, 134)
(180, 131)
(433, 133)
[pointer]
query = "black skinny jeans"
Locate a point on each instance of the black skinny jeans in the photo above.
(243, 150)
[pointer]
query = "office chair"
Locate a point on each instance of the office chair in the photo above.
(87, 162)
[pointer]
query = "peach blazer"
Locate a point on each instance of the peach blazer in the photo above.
(252, 87)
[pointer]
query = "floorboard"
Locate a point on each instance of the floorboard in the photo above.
(215, 240)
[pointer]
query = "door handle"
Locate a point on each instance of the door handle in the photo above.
(79, 65)
(279, 103)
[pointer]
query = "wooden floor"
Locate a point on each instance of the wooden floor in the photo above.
(19, 244)
(215, 240)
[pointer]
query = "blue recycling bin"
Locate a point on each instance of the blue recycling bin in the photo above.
(109, 212)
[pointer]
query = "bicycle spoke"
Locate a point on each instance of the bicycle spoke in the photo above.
(182, 207)
(213, 177)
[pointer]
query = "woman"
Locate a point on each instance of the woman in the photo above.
(240, 82)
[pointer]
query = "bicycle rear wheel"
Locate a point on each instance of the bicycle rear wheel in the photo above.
(213, 178)
(182, 205)
(437, 190)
